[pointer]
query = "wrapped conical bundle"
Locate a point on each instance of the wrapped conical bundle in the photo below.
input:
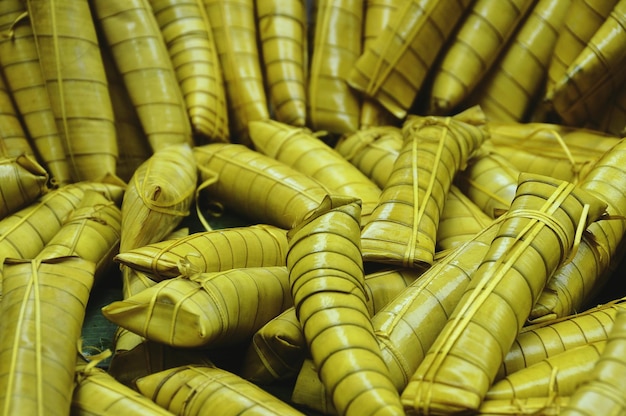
(373, 151)
(393, 68)
(547, 406)
(489, 181)
(92, 232)
(402, 228)
(460, 220)
(597, 71)
(562, 152)
(24, 233)
(158, 196)
(482, 36)
(14, 141)
(614, 119)
(513, 86)
(205, 309)
(602, 392)
(377, 14)
(257, 186)
(42, 314)
(535, 236)
(202, 390)
(560, 374)
(303, 151)
(278, 348)
(576, 282)
(187, 33)
(19, 58)
(283, 37)
(71, 64)
(131, 32)
(539, 341)
(97, 393)
(235, 34)
(258, 245)
(22, 181)
(327, 285)
(332, 105)
(581, 22)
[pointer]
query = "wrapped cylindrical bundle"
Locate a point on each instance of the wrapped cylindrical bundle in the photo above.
(534, 237)
(577, 281)
(22, 181)
(92, 232)
(278, 348)
(202, 390)
(372, 150)
(560, 374)
(614, 119)
(71, 64)
(482, 36)
(539, 341)
(602, 392)
(257, 186)
(597, 71)
(460, 220)
(13, 142)
(327, 286)
(403, 227)
(187, 33)
(489, 181)
(19, 58)
(205, 309)
(43, 308)
(562, 152)
(97, 393)
(303, 151)
(393, 67)
(259, 245)
(336, 44)
(377, 14)
(158, 196)
(515, 83)
(282, 30)
(235, 35)
(582, 20)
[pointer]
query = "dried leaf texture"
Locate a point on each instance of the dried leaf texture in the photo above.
(19, 58)
(259, 245)
(43, 309)
(158, 196)
(187, 33)
(403, 226)
(199, 391)
(392, 69)
(131, 32)
(603, 390)
(205, 309)
(22, 181)
(327, 286)
(536, 235)
(257, 186)
(337, 38)
(282, 30)
(72, 67)
(97, 393)
(303, 151)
